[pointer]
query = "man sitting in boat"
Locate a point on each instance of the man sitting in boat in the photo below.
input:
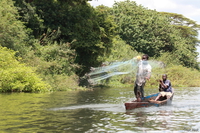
(165, 88)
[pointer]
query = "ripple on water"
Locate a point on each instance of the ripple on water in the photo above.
(98, 111)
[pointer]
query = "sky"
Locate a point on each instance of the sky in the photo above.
(188, 8)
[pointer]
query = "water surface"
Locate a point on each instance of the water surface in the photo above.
(98, 111)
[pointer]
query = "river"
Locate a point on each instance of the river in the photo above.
(97, 111)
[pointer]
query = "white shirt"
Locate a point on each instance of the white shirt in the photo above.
(144, 71)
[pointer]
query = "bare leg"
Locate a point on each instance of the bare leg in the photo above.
(138, 97)
(157, 97)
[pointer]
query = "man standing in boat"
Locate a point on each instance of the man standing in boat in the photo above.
(143, 74)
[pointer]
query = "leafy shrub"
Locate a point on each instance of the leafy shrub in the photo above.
(53, 59)
(63, 82)
(16, 76)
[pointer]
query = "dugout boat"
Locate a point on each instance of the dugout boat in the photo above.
(158, 99)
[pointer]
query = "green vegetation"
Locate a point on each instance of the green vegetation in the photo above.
(49, 45)
(155, 33)
(16, 76)
(180, 76)
(13, 32)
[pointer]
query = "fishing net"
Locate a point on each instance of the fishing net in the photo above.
(107, 70)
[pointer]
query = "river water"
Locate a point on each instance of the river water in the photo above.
(98, 111)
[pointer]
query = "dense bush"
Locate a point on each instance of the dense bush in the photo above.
(18, 77)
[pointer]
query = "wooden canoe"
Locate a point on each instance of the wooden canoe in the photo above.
(150, 101)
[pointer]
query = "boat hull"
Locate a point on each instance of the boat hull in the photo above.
(148, 101)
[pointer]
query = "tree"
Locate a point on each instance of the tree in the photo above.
(95, 37)
(13, 33)
(91, 30)
(31, 19)
(189, 31)
(151, 32)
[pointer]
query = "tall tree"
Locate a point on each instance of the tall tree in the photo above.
(94, 39)
(151, 32)
(29, 16)
(188, 30)
(143, 29)
(90, 31)
(13, 33)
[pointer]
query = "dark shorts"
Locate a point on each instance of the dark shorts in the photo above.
(139, 90)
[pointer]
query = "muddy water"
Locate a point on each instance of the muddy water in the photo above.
(98, 111)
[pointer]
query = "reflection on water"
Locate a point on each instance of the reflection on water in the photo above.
(101, 110)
